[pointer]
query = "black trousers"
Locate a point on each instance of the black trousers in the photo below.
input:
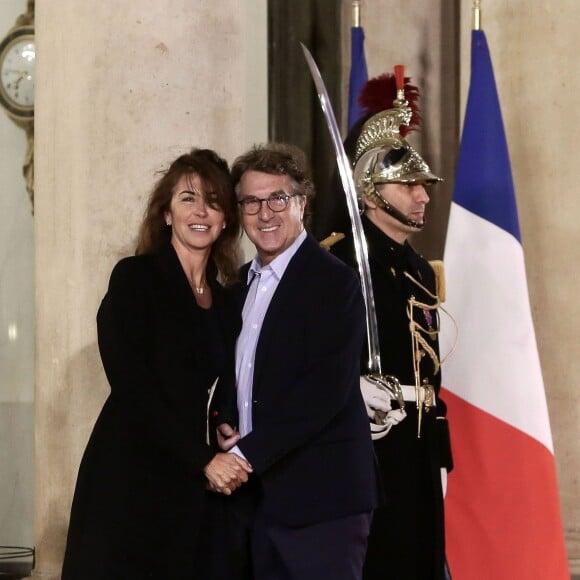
(333, 549)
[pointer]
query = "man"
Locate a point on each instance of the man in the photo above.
(302, 419)
(412, 446)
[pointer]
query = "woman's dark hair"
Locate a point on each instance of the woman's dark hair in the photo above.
(215, 175)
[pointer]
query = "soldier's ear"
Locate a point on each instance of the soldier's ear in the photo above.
(369, 203)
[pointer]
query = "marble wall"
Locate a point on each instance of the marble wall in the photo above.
(122, 89)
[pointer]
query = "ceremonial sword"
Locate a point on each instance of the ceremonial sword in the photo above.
(389, 383)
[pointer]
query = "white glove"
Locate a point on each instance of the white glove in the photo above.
(375, 398)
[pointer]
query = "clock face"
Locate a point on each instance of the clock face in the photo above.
(17, 57)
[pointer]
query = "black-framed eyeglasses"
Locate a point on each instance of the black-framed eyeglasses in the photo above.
(277, 202)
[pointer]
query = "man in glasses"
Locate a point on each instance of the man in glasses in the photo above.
(300, 414)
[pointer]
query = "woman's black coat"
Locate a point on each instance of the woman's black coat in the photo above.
(140, 494)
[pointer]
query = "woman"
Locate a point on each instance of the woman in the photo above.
(145, 504)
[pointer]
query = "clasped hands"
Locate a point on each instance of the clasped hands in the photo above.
(227, 471)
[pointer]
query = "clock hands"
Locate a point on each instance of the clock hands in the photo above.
(22, 75)
(20, 72)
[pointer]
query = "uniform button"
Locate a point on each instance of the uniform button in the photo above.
(249, 365)
(254, 326)
(246, 404)
(264, 289)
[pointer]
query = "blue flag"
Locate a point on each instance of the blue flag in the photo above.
(483, 183)
(358, 74)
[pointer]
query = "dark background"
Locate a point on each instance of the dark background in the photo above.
(295, 115)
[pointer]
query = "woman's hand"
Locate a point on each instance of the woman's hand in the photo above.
(227, 436)
(226, 472)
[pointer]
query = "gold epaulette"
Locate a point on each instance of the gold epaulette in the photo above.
(328, 242)
(439, 270)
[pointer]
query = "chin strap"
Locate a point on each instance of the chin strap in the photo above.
(387, 207)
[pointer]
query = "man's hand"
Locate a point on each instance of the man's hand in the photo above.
(375, 398)
(227, 436)
(226, 472)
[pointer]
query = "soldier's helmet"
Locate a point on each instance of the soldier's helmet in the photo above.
(382, 155)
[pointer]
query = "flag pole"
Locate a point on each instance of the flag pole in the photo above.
(356, 8)
(476, 14)
(358, 66)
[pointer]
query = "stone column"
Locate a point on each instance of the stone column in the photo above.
(122, 89)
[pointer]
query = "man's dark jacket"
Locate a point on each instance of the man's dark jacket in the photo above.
(310, 445)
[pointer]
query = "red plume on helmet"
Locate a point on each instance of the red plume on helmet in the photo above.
(379, 93)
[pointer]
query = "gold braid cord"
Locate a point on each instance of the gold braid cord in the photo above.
(425, 393)
(329, 241)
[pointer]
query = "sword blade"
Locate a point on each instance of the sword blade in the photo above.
(360, 243)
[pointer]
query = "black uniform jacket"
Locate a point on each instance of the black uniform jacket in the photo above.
(310, 445)
(389, 263)
(140, 490)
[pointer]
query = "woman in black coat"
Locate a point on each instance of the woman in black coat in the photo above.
(146, 502)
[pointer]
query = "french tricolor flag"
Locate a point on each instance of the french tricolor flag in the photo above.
(502, 509)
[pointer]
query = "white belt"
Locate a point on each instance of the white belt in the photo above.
(410, 393)
(394, 416)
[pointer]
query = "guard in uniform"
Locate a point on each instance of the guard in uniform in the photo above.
(411, 438)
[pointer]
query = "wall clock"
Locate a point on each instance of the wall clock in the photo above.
(17, 60)
(17, 74)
